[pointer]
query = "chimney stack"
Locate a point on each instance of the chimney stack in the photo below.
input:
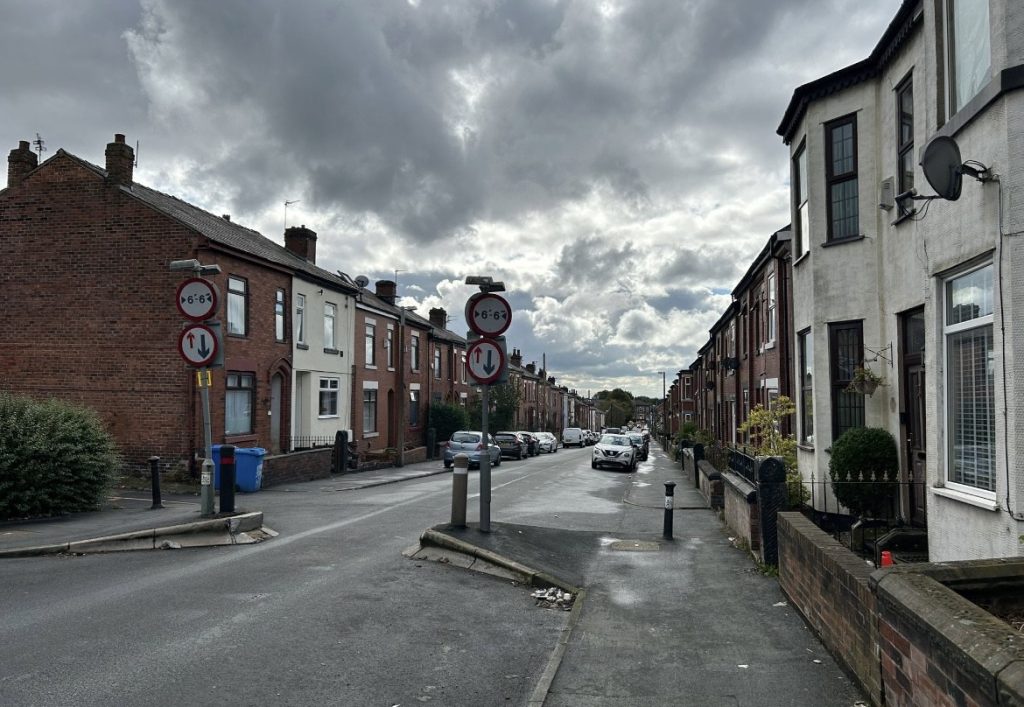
(516, 358)
(439, 318)
(387, 290)
(301, 241)
(531, 368)
(120, 161)
(20, 162)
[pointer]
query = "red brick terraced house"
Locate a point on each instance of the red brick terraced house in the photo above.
(91, 315)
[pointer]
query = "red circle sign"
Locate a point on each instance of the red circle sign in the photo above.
(485, 361)
(197, 344)
(488, 314)
(196, 299)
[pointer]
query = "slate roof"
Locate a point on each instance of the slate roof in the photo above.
(224, 232)
(369, 298)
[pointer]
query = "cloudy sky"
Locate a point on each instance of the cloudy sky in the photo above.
(614, 162)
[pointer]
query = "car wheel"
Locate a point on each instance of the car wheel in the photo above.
(447, 465)
(593, 464)
(498, 462)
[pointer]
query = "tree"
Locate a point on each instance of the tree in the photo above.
(504, 401)
(447, 418)
(617, 405)
(764, 425)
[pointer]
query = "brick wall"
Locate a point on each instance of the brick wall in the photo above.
(740, 509)
(829, 586)
(297, 466)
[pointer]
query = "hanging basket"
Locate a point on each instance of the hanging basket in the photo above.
(865, 387)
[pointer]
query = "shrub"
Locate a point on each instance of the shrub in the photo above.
(446, 418)
(55, 458)
(863, 468)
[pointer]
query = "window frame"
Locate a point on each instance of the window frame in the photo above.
(950, 404)
(300, 319)
(414, 407)
(436, 364)
(369, 406)
(414, 352)
(280, 315)
(805, 352)
(331, 332)
(238, 292)
(833, 179)
(389, 348)
(801, 219)
(771, 309)
(904, 144)
(838, 383)
(332, 390)
(953, 104)
(233, 385)
(370, 345)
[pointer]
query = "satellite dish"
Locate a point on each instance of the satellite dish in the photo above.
(943, 167)
(362, 281)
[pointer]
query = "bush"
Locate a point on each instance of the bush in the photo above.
(55, 458)
(863, 467)
(446, 418)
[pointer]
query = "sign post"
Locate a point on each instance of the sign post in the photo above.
(488, 315)
(201, 346)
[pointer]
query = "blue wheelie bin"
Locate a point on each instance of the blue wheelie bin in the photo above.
(249, 468)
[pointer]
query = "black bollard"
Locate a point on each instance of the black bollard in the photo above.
(154, 471)
(227, 479)
(670, 490)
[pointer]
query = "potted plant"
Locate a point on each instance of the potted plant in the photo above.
(864, 381)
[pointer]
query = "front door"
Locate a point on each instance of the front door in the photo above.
(275, 413)
(912, 364)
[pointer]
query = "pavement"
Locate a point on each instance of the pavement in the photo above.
(689, 619)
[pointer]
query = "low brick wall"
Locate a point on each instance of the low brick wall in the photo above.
(297, 466)
(938, 647)
(829, 586)
(710, 484)
(740, 509)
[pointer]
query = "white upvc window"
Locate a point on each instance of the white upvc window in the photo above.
(329, 397)
(968, 48)
(772, 309)
(970, 381)
(330, 314)
(300, 319)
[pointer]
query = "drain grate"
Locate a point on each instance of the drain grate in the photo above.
(635, 546)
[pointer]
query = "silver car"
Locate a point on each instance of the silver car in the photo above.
(548, 442)
(468, 442)
(614, 450)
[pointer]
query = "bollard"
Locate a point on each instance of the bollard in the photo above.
(886, 558)
(670, 490)
(227, 479)
(460, 484)
(154, 471)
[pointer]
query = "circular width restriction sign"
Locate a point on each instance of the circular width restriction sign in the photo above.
(485, 361)
(488, 314)
(197, 344)
(197, 299)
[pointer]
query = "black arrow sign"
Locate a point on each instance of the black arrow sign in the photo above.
(489, 367)
(203, 351)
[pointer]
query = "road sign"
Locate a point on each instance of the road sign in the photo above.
(197, 299)
(502, 343)
(197, 344)
(485, 361)
(488, 314)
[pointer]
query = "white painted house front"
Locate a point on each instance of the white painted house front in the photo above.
(927, 294)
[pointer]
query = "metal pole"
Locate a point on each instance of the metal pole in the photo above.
(206, 479)
(670, 490)
(485, 464)
(460, 484)
(154, 470)
(228, 477)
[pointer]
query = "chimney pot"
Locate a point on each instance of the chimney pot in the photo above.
(20, 162)
(301, 241)
(120, 161)
(439, 317)
(386, 290)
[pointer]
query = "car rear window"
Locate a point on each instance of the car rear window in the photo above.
(465, 437)
(504, 436)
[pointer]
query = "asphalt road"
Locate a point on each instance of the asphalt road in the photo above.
(329, 612)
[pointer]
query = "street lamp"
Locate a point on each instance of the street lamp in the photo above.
(662, 422)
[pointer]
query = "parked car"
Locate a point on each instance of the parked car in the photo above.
(614, 450)
(572, 436)
(612, 430)
(547, 442)
(512, 444)
(468, 442)
(532, 443)
(590, 437)
(638, 441)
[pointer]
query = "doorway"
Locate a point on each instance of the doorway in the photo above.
(912, 346)
(275, 413)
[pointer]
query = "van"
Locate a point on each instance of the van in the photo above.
(572, 435)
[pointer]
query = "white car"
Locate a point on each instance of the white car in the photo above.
(614, 450)
(572, 436)
(548, 442)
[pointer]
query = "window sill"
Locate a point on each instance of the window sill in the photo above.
(332, 352)
(368, 435)
(805, 447)
(988, 504)
(327, 417)
(372, 368)
(302, 347)
(235, 439)
(842, 241)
